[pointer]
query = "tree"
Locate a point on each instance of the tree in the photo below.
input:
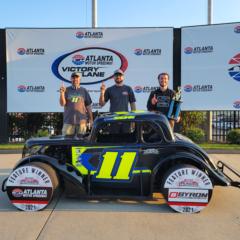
(192, 120)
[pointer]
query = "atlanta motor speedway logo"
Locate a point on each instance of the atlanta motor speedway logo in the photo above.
(81, 35)
(96, 64)
(234, 70)
(236, 104)
(147, 51)
(31, 51)
(198, 50)
(144, 89)
(237, 29)
(198, 88)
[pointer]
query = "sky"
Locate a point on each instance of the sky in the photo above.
(114, 13)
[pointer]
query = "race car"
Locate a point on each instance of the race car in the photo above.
(125, 154)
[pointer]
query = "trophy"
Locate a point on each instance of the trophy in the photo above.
(174, 108)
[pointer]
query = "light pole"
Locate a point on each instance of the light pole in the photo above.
(94, 13)
(210, 8)
(209, 113)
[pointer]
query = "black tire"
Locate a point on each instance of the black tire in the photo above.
(184, 190)
(50, 171)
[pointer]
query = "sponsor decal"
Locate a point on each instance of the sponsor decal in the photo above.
(198, 88)
(188, 173)
(20, 174)
(236, 104)
(144, 89)
(88, 35)
(198, 50)
(188, 183)
(150, 151)
(29, 193)
(31, 51)
(237, 29)
(234, 70)
(34, 193)
(188, 189)
(147, 51)
(24, 88)
(96, 64)
(29, 188)
(29, 180)
(187, 195)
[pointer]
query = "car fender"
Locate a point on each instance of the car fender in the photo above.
(68, 172)
(215, 174)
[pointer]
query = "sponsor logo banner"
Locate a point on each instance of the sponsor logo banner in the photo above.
(210, 64)
(35, 65)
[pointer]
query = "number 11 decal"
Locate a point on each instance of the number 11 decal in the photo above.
(116, 165)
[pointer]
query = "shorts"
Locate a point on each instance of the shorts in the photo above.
(72, 129)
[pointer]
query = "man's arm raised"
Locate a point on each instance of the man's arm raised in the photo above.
(101, 98)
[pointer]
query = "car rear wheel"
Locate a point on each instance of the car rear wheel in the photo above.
(30, 187)
(186, 188)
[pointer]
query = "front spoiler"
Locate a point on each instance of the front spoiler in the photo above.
(222, 167)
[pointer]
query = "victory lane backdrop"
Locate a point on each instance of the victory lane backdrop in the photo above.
(210, 72)
(39, 61)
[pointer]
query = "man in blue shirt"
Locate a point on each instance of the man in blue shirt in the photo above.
(119, 94)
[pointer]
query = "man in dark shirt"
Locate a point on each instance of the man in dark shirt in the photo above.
(119, 94)
(77, 105)
(160, 99)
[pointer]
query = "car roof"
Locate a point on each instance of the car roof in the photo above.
(133, 115)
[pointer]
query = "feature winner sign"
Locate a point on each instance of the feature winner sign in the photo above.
(211, 67)
(39, 61)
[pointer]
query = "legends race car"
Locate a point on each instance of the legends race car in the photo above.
(125, 154)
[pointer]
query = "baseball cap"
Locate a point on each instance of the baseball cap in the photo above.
(119, 71)
(78, 74)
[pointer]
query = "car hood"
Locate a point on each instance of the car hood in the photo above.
(55, 140)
